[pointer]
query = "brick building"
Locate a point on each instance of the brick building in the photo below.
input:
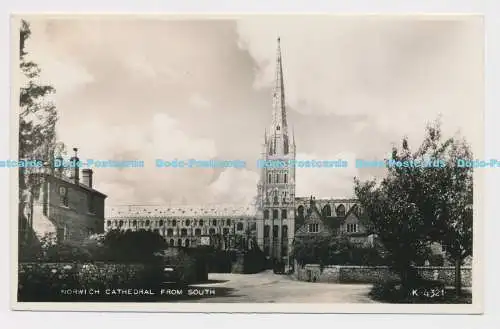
(63, 205)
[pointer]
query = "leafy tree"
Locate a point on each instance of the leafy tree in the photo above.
(133, 246)
(37, 127)
(414, 206)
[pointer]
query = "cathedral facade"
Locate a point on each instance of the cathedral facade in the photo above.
(271, 223)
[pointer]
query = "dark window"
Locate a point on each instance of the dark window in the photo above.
(283, 214)
(201, 222)
(184, 232)
(179, 242)
(109, 223)
(188, 222)
(161, 222)
(214, 222)
(170, 232)
(326, 211)
(275, 214)
(228, 222)
(239, 226)
(187, 243)
(171, 243)
(157, 230)
(225, 231)
(197, 232)
(275, 231)
(211, 231)
(266, 231)
(352, 228)
(266, 214)
(269, 178)
(147, 222)
(313, 228)
(300, 212)
(120, 224)
(286, 179)
(134, 223)
(284, 232)
(174, 223)
(340, 210)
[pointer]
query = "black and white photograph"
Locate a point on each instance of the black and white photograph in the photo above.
(317, 163)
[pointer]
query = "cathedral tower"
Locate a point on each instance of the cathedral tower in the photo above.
(276, 189)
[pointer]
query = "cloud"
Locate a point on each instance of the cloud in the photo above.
(397, 73)
(152, 88)
(326, 182)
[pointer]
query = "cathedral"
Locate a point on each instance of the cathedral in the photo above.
(272, 223)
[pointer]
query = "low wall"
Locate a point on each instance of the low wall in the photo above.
(375, 274)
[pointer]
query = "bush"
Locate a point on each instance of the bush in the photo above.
(330, 250)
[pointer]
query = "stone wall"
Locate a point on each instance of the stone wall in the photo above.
(374, 274)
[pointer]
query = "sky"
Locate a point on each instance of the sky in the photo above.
(153, 87)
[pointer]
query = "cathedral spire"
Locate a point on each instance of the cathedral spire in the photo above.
(280, 126)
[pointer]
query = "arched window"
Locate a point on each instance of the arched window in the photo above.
(239, 226)
(171, 242)
(214, 222)
(211, 231)
(147, 222)
(170, 232)
(269, 178)
(300, 212)
(275, 213)
(266, 214)
(109, 223)
(161, 222)
(120, 223)
(174, 223)
(275, 231)
(283, 214)
(228, 222)
(134, 223)
(225, 231)
(341, 210)
(188, 222)
(197, 232)
(179, 242)
(326, 211)
(285, 179)
(184, 232)
(186, 243)
(201, 222)
(284, 232)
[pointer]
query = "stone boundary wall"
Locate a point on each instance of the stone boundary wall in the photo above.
(376, 274)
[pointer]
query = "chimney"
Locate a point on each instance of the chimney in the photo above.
(87, 177)
(75, 163)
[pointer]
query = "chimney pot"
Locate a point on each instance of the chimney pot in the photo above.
(87, 177)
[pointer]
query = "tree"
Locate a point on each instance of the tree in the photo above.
(133, 246)
(37, 127)
(416, 205)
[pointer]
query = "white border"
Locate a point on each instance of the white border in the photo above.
(351, 6)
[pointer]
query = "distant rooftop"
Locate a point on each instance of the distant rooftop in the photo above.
(179, 211)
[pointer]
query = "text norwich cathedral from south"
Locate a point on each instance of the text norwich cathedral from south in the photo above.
(276, 219)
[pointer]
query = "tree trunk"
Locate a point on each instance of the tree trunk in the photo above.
(458, 277)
